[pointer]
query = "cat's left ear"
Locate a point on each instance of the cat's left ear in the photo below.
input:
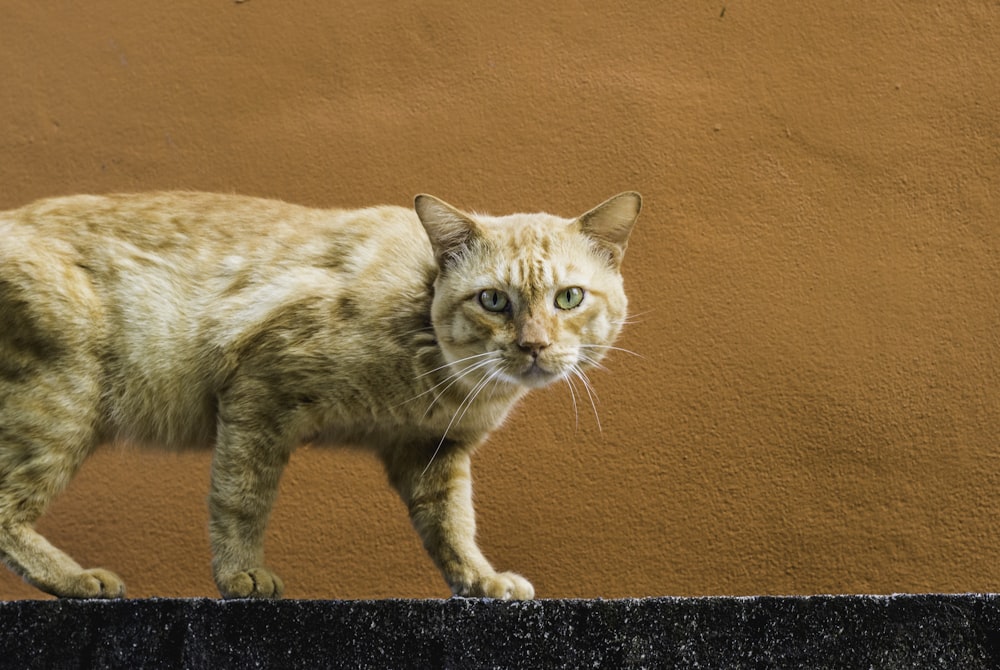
(610, 223)
(448, 228)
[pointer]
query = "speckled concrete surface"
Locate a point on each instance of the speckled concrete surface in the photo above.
(914, 631)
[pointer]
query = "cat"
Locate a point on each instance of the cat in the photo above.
(254, 326)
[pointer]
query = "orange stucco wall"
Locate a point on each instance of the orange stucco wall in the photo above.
(815, 276)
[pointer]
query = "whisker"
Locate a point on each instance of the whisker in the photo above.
(591, 394)
(572, 395)
(633, 318)
(591, 361)
(474, 393)
(455, 378)
(493, 391)
(461, 411)
(610, 348)
(460, 360)
(424, 329)
(459, 374)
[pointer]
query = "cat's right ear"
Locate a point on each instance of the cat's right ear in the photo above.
(448, 228)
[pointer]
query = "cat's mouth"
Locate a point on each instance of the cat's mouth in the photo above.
(536, 375)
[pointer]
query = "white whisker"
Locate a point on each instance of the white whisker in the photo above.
(454, 379)
(591, 361)
(591, 394)
(460, 360)
(425, 329)
(474, 393)
(610, 348)
(493, 391)
(461, 411)
(572, 395)
(459, 374)
(632, 318)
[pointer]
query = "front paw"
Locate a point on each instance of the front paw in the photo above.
(502, 585)
(93, 583)
(253, 583)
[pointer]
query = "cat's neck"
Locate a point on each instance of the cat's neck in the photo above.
(459, 399)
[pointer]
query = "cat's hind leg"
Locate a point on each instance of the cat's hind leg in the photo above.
(50, 393)
(47, 429)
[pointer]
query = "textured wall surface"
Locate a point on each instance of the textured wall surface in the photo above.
(815, 276)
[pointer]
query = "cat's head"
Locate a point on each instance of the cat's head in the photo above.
(527, 299)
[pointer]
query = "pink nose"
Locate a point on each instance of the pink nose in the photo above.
(533, 337)
(534, 348)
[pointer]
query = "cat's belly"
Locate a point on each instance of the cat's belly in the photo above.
(153, 419)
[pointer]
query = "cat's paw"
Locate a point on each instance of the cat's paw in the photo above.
(253, 583)
(93, 583)
(502, 585)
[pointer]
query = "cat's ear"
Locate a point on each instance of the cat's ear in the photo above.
(610, 223)
(448, 228)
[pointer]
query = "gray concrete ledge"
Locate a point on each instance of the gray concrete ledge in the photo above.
(907, 631)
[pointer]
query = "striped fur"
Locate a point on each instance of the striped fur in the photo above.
(188, 320)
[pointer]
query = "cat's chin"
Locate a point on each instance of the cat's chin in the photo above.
(535, 376)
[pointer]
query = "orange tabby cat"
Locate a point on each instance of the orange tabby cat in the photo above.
(190, 319)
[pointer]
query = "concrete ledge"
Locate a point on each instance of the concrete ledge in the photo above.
(912, 631)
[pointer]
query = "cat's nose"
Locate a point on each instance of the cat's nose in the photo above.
(533, 348)
(533, 345)
(532, 337)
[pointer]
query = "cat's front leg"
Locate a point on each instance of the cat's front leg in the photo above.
(246, 468)
(439, 499)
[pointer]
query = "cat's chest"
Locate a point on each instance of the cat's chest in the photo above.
(419, 418)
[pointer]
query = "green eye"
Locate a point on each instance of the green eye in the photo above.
(568, 298)
(493, 300)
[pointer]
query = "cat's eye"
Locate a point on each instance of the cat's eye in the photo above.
(568, 298)
(493, 300)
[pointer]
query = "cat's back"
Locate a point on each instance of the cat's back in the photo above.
(163, 264)
(171, 221)
(200, 236)
(167, 262)
(158, 285)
